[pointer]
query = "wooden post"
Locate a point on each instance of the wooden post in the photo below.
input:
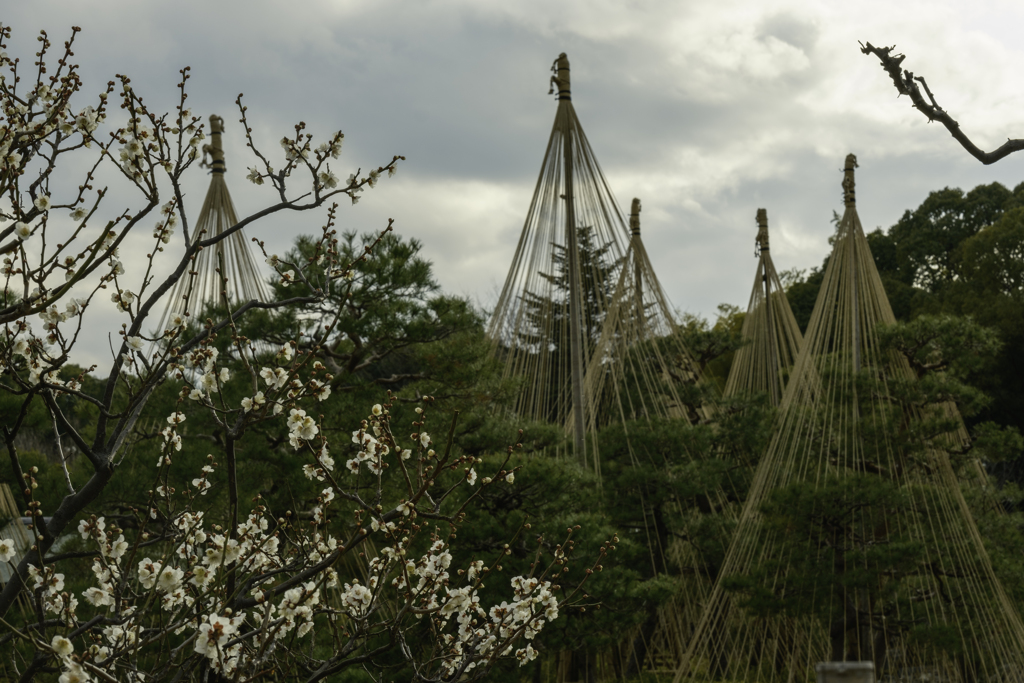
(634, 228)
(764, 254)
(572, 254)
(215, 149)
(845, 672)
(850, 201)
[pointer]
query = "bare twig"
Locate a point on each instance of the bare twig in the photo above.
(907, 84)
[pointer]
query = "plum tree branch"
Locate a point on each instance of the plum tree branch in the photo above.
(907, 84)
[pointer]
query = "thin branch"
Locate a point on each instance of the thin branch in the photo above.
(907, 84)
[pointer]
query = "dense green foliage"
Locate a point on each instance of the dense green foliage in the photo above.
(871, 520)
(958, 253)
(664, 485)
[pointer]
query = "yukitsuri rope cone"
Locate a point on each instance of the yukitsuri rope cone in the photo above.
(772, 333)
(761, 366)
(549, 315)
(851, 546)
(639, 362)
(230, 256)
(638, 373)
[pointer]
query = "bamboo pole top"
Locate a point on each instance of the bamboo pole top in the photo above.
(561, 78)
(762, 230)
(215, 147)
(849, 194)
(634, 217)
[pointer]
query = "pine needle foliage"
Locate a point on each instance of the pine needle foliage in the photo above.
(772, 333)
(856, 543)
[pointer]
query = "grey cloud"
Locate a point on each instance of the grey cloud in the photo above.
(460, 89)
(791, 29)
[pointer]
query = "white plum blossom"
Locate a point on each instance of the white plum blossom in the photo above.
(7, 550)
(320, 389)
(255, 402)
(149, 571)
(169, 579)
(212, 637)
(209, 382)
(62, 646)
(328, 179)
(74, 673)
(301, 426)
(357, 599)
(202, 575)
(276, 378)
(99, 596)
(117, 548)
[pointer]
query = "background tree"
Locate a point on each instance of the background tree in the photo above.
(546, 321)
(192, 574)
(955, 254)
(847, 522)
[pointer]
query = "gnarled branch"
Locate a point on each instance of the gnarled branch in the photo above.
(907, 84)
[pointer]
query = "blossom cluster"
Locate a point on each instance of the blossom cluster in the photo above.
(197, 578)
(190, 577)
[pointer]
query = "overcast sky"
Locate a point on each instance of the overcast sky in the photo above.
(705, 109)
